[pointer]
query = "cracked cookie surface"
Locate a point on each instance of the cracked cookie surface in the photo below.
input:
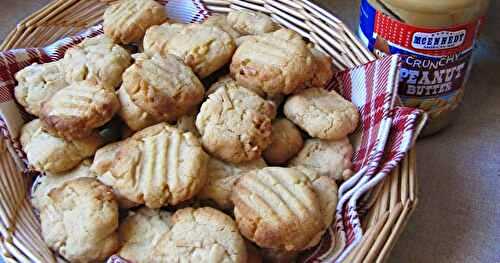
(37, 83)
(204, 48)
(49, 153)
(277, 63)
(80, 220)
(322, 114)
(97, 59)
(201, 235)
(251, 23)
(327, 158)
(235, 123)
(140, 231)
(126, 21)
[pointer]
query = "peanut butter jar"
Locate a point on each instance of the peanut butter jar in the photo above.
(436, 39)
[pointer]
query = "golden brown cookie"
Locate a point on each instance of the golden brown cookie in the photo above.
(327, 158)
(235, 123)
(162, 86)
(159, 165)
(326, 190)
(277, 63)
(140, 231)
(101, 166)
(48, 153)
(221, 21)
(202, 47)
(44, 184)
(75, 111)
(277, 208)
(251, 23)
(126, 21)
(97, 59)
(104, 157)
(286, 142)
(37, 83)
(322, 114)
(323, 71)
(201, 235)
(135, 117)
(80, 221)
(221, 179)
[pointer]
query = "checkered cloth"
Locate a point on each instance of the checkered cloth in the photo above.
(385, 134)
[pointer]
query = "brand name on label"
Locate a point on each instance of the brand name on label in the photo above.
(438, 40)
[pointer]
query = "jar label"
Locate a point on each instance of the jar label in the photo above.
(435, 61)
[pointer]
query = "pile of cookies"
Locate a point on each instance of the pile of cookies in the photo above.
(216, 142)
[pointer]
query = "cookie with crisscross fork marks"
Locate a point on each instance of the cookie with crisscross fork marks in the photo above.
(97, 59)
(126, 21)
(75, 111)
(277, 63)
(202, 47)
(159, 165)
(277, 208)
(163, 86)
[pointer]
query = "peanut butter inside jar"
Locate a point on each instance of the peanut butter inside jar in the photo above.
(440, 16)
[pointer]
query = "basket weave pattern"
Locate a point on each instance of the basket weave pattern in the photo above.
(390, 204)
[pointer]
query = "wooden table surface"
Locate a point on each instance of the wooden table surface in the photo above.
(458, 217)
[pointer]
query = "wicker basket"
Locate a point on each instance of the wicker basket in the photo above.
(393, 200)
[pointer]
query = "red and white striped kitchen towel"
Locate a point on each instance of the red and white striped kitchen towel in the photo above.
(385, 134)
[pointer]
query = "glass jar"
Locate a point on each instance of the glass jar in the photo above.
(435, 39)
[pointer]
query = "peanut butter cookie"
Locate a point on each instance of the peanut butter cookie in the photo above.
(75, 111)
(44, 184)
(277, 63)
(251, 23)
(97, 59)
(202, 47)
(322, 114)
(163, 86)
(140, 231)
(201, 235)
(37, 83)
(235, 123)
(80, 221)
(286, 142)
(327, 158)
(159, 165)
(48, 153)
(126, 21)
(277, 208)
